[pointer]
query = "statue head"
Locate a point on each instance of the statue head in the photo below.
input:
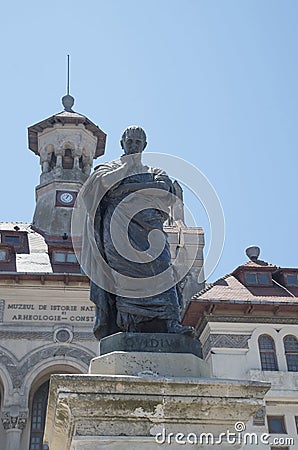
(133, 140)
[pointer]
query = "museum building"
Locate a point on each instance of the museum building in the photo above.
(247, 323)
(46, 316)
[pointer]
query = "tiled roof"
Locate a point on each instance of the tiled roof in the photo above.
(70, 114)
(258, 264)
(229, 289)
(66, 117)
(37, 261)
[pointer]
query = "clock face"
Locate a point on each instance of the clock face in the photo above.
(66, 197)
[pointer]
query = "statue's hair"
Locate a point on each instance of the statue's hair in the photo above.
(133, 129)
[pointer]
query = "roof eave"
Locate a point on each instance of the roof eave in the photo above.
(39, 127)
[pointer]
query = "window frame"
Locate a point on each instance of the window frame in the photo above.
(38, 433)
(65, 253)
(289, 352)
(4, 250)
(291, 274)
(13, 234)
(263, 351)
(257, 273)
(282, 421)
(23, 243)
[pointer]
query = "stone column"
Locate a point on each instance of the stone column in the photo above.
(76, 162)
(59, 160)
(14, 425)
(76, 153)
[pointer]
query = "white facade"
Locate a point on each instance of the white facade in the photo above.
(231, 319)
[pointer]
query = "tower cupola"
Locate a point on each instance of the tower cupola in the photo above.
(66, 143)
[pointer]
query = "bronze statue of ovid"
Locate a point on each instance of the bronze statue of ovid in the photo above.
(116, 183)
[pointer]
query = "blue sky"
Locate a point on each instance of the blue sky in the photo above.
(213, 82)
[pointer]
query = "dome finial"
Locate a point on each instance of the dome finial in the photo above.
(68, 100)
(253, 252)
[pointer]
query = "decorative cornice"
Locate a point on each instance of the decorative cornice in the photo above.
(42, 335)
(244, 319)
(30, 335)
(45, 277)
(225, 341)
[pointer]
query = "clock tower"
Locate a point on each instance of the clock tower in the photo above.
(66, 144)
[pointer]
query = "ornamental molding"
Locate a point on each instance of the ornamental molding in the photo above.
(245, 319)
(259, 417)
(84, 336)
(225, 341)
(10, 421)
(42, 335)
(19, 369)
(30, 335)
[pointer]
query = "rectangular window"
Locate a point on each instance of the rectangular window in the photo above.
(71, 258)
(65, 257)
(36, 443)
(10, 239)
(291, 279)
(251, 278)
(19, 239)
(276, 424)
(264, 278)
(257, 278)
(59, 257)
(3, 255)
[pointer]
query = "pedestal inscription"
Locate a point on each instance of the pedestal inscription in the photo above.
(150, 342)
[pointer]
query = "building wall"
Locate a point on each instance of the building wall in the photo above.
(232, 351)
(44, 329)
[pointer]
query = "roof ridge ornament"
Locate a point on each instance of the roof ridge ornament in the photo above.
(68, 100)
(253, 253)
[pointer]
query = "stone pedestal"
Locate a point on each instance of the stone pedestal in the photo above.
(150, 342)
(130, 401)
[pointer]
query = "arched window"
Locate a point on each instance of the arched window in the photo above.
(67, 160)
(291, 351)
(267, 352)
(53, 161)
(39, 406)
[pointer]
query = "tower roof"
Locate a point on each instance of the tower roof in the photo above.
(63, 118)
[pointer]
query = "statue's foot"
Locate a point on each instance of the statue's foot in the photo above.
(173, 326)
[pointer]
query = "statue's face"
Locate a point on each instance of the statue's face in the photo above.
(133, 144)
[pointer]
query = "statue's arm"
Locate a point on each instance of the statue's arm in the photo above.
(133, 187)
(110, 177)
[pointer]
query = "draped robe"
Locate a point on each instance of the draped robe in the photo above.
(117, 309)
